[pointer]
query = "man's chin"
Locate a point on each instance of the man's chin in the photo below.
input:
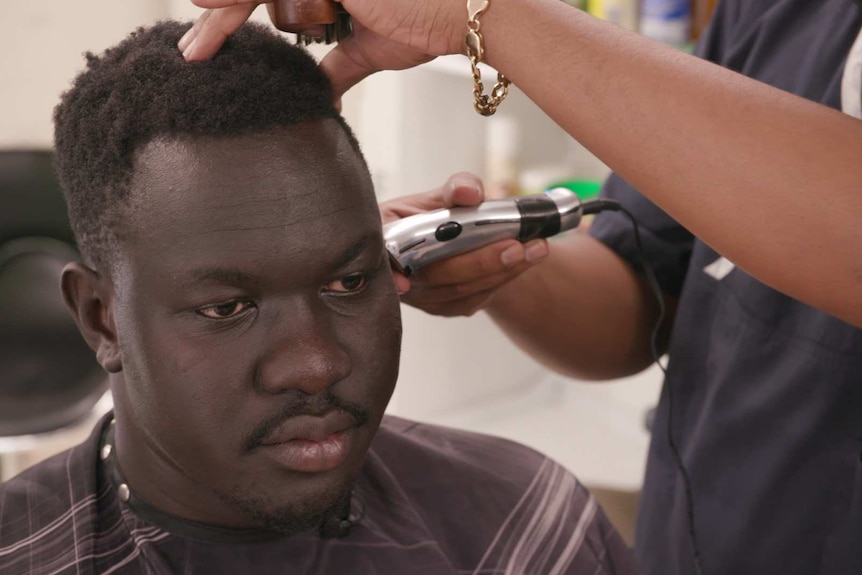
(308, 515)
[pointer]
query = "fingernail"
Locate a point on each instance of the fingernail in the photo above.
(536, 252)
(469, 186)
(187, 53)
(186, 39)
(512, 256)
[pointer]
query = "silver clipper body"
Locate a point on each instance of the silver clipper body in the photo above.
(419, 240)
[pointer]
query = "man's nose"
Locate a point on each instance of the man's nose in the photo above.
(304, 354)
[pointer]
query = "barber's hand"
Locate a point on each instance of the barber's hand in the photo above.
(388, 35)
(463, 284)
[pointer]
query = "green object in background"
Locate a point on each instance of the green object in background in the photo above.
(584, 189)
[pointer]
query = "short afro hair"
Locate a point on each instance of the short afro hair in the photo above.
(143, 89)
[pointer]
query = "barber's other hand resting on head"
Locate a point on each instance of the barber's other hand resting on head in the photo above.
(464, 284)
(392, 36)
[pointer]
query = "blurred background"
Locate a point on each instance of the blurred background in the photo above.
(416, 128)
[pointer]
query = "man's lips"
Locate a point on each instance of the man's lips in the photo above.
(310, 428)
(311, 444)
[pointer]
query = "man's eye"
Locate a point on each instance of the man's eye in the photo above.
(348, 284)
(225, 310)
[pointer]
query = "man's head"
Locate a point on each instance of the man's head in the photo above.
(237, 289)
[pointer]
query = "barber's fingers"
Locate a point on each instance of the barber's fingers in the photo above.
(213, 27)
(441, 294)
(402, 284)
(192, 32)
(497, 259)
(462, 189)
(471, 295)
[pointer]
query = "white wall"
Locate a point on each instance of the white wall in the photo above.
(42, 46)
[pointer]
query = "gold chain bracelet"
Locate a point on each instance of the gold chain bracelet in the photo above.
(485, 104)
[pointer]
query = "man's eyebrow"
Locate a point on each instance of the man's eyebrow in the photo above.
(356, 249)
(228, 276)
(225, 276)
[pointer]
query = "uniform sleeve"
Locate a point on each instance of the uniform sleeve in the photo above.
(667, 245)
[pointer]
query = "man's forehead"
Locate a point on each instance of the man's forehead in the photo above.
(271, 201)
(300, 151)
(281, 177)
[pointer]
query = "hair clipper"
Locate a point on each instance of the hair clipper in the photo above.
(419, 240)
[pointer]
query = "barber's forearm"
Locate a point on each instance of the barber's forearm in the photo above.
(766, 178)
(582, 312)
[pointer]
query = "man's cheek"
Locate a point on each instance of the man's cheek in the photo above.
(383, 364)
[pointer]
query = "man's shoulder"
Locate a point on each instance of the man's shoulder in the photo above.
(440, 467)
(43, 482)
(473, 455)
(491, 503)
(48, 504)
(55, 476)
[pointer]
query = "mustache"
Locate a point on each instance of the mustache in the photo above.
(296, 406)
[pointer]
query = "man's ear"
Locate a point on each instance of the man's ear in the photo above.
(89, 298)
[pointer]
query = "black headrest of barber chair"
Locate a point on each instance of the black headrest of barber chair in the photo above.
(49, 378)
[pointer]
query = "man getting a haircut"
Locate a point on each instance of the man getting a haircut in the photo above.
(236, 289)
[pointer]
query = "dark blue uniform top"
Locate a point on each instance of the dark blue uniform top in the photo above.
(767, 391)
